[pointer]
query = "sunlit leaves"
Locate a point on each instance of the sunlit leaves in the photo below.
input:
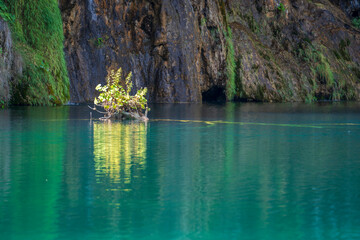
(115, 98)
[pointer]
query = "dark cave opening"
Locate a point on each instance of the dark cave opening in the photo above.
(355, 14)
(214, 94)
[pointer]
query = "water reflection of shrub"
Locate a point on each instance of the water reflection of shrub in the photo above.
(119, 150)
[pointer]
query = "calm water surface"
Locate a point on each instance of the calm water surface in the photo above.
(234, 171)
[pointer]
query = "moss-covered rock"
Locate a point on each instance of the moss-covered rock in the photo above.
(38, 37)
(302, 53)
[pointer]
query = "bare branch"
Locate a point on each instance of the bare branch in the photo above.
(94, 109)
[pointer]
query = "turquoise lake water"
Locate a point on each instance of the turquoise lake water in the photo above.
(231, 171)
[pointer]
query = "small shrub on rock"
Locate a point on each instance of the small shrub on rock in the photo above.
(116, 100)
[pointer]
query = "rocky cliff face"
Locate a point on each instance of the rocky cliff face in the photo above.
(159, 41)
(10, 63)
(194, 50)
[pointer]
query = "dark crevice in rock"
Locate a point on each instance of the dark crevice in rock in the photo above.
(214, 94)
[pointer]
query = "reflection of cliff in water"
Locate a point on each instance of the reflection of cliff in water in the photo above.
(119, 150)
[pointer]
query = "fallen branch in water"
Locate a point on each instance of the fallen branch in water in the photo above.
(121, 116)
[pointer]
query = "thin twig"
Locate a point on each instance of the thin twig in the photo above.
(94, 109)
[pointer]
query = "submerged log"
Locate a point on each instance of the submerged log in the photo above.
(122, 115)
(134, 116)
(128, 116)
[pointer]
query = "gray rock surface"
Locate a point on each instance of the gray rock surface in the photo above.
(10, 62)
(194, 50)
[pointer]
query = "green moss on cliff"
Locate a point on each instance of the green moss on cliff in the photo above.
(230, 55)
(5, 13)
(38, 37)
(231, 66)
(356, 22)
